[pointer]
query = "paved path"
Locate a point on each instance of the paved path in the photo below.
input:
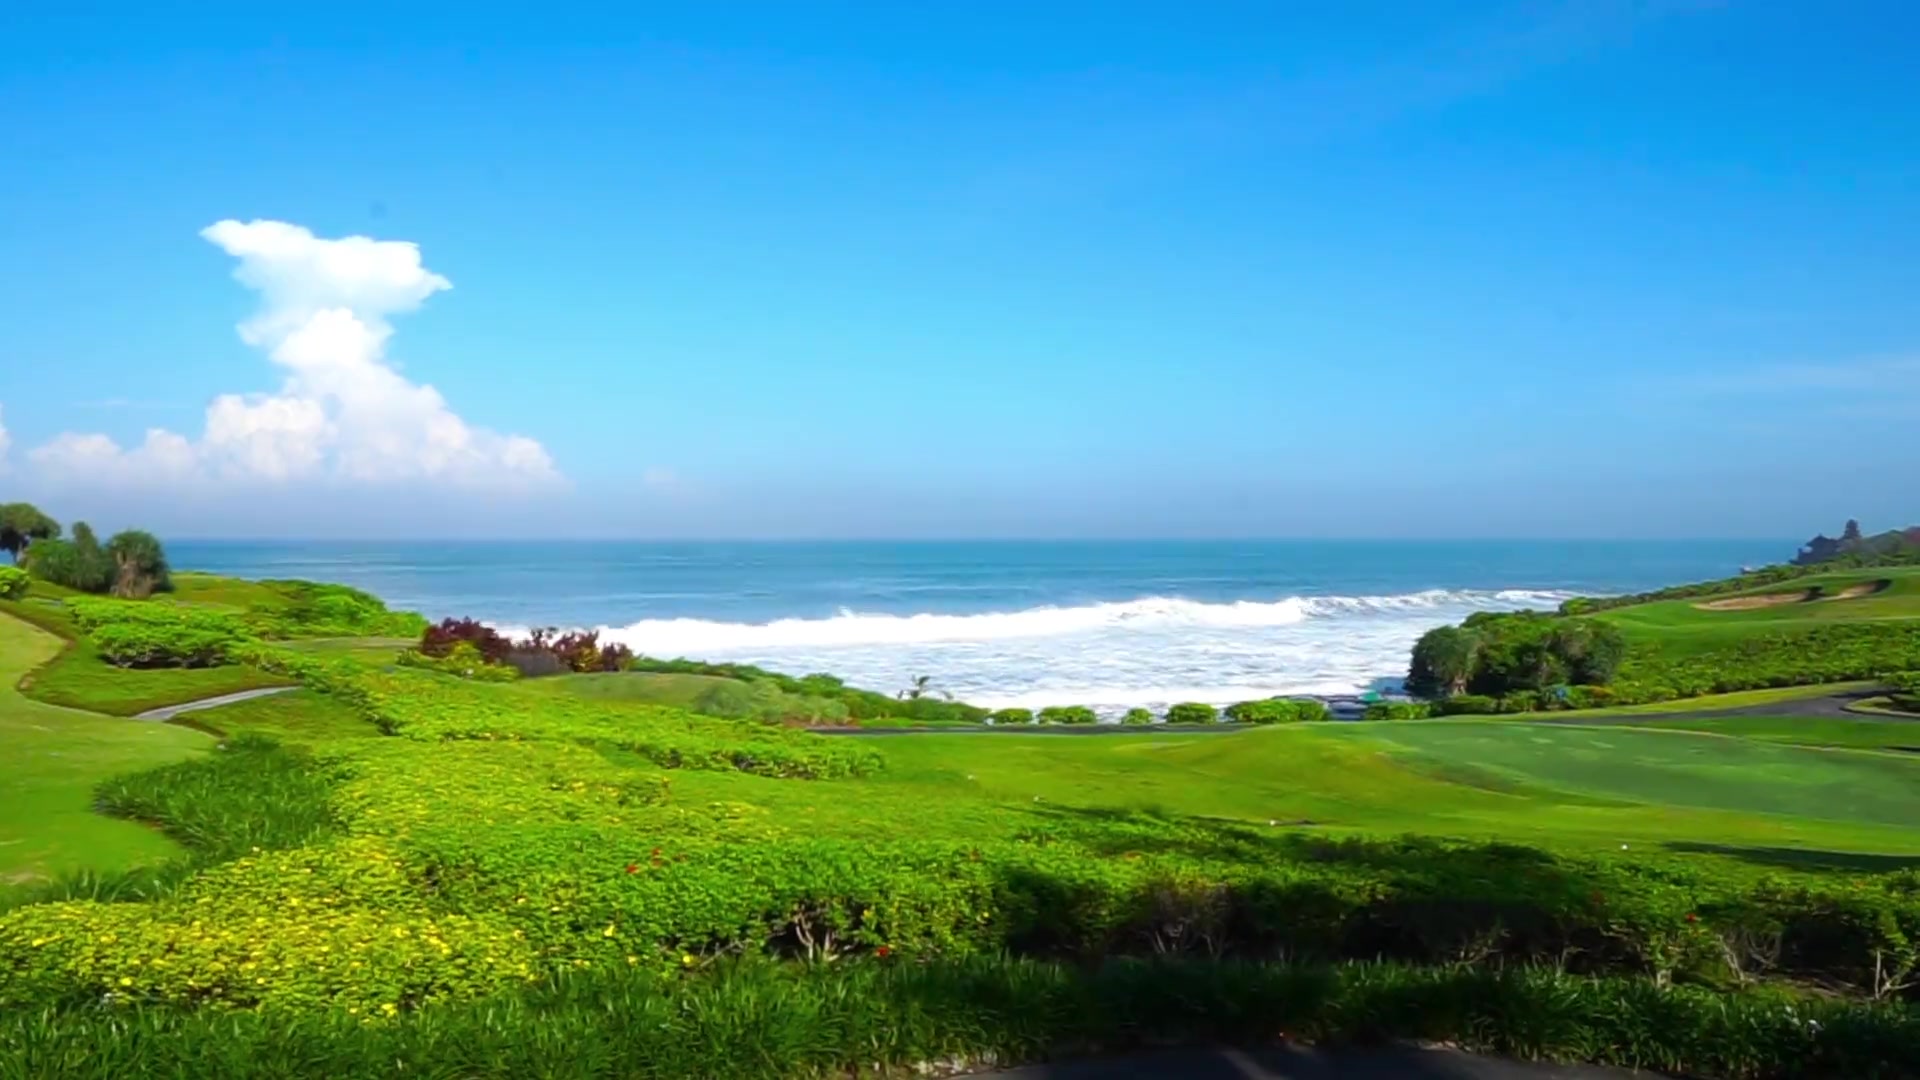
(1298, 1063)
(170, 711)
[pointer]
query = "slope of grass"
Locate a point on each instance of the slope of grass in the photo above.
(53, 759)
(1671, 768)
(79, 679)
(1715, 702)
(1806, 731)
(299, 717)
(1684, 626)
(646, 687)
(1542, 784)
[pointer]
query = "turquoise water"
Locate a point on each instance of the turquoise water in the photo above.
(1110, 624)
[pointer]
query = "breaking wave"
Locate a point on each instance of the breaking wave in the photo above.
(1150, 651)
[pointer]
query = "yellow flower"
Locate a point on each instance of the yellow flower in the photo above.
(687, 959)
(125, 981)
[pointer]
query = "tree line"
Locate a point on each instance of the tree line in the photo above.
(131, 564)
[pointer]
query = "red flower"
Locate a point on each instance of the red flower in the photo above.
(1691, 917)
(633, 868)
(883, 951)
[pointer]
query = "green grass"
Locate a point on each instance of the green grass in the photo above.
(1683, 626)
(1714, 702)
(764, 1022)
(54, 757)
(79, 679)
(1807, 731)
(1567, 788)
(1652, 767)
(300, 717)
(644, 687)
(376, 651)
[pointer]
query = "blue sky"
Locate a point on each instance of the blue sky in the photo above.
(984, 269)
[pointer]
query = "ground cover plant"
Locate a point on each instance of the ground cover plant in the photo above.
(396, 862)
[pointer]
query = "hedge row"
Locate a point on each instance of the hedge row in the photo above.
(760, 1022)
(436, 910)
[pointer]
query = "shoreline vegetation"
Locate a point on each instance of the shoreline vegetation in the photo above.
(442, 850)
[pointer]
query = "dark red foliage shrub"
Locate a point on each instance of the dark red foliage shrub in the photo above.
(543, 652)
(440, 640)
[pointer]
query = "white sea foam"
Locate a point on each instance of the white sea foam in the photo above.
(1150, 651)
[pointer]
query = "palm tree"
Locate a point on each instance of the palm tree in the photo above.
(140, 564)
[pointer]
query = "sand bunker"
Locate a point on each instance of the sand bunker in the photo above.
(1854, 592)
(1747, 603)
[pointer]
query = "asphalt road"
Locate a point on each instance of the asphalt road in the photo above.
(1300, 1063)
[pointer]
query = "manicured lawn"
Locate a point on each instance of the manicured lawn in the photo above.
(1664, 768)
(53, 758)
(368, 650)
(1567, 788)
(79, 679)
(1808, 731)
(1684, 626)
(299, 716)
(1713, 702)
(648, 687)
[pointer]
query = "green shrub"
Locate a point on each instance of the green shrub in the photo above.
(1192, 712)
(13, 582)
(463, 661)
(1467, 704)
(756, 1021)
(1010, 717)
(1278, 711)
(145, 645)
(1137, 717)
(1068, 714)
(130, 633)
(313, 609)
(1398, 710)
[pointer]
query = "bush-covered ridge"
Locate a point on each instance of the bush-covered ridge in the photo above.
(749, 1021)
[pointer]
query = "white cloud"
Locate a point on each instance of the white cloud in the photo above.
(6, 440)
(343, 413)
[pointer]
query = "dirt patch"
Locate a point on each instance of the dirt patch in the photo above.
(1748, 603)
(1855, 592)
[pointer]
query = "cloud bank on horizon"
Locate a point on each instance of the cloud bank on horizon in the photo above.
(343, 415)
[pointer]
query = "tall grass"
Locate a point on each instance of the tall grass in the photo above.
(251, 793)
(763, 1020)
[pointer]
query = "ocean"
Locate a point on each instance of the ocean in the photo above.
(1107, 624)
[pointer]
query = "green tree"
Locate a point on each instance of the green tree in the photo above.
(79, 563)
(1137, 717)
(1592, 650)
(23, 523)
(140, 564)
(1443, 662)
